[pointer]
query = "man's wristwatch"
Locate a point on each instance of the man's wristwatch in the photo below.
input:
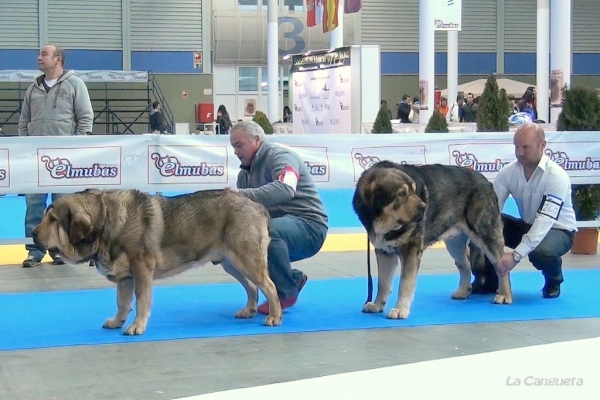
(516, 257)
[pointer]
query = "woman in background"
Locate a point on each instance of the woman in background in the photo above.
(223, 121)
(287, 114)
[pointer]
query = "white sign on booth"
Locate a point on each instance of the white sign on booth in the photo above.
(447, 15)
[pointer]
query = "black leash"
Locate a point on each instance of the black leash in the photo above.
(369, 277)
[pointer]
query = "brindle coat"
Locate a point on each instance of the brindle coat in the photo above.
(406, 208)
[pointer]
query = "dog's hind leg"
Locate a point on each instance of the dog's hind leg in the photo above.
(410, 257)
(124, 300)
(487, 235)
(256, 270)
(386, 266)
(457, 247)
(251, 290)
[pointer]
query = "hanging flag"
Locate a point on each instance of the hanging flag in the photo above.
(352, 6)
(319, 6)
(311, 13)
(330, 15)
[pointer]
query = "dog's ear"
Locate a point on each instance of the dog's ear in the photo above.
(81, 229)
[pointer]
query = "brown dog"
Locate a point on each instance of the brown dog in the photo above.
(135, 238)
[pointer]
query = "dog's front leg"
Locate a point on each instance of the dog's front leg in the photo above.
(142, 270)
(124, 300)
(410, 256)
(386, 266)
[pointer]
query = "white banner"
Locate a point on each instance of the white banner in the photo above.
(447, 15)
(187, 163)
(322, 92)
(86, 76)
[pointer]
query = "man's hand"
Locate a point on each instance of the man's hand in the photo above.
(235, 190)
(506, 264)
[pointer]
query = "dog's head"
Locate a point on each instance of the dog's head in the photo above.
(70, 226)
(390, 197)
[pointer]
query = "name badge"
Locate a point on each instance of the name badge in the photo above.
(550, 206)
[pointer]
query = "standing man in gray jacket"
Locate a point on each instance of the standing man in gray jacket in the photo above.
(56, 104)
(278, 179)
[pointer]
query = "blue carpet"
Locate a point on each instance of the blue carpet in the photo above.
(54, 319)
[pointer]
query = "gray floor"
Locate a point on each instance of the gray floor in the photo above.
(171, 369)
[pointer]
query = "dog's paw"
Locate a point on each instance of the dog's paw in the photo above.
(371, 307)
(461, 294)
(135, 329)
(245, 313)
(503, 299)
(272, 321)
(113, 323)
(398, 313)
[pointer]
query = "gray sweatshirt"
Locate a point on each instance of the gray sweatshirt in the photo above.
(264, 183)
(65, 110)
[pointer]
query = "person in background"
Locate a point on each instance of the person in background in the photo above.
(469, 109)
(56, 104)
(443, 108)
(527, 104)
(158, 123)
(223, 121)
(455, 112)
(277, 178)
(287, 115)
(404, 108)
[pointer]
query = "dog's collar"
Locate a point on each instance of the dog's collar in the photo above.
(396, 233)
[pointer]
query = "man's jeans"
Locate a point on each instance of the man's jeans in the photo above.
(36, 204)
(292, 239)
(546, 257)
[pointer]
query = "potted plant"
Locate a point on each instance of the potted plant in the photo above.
(581, 112)
(493, 109)
(261, 119)
(586, 203)
(383, 123)
(437, 123)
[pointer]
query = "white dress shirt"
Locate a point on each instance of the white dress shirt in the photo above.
(548, 179)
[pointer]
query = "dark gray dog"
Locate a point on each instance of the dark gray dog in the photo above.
(406, 208)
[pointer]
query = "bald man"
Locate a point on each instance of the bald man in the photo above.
(544, 233)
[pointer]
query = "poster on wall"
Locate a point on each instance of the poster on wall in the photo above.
(423, 94)
(321, 94)
(249, 107)
(556, 86)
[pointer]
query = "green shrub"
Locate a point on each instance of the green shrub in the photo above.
(437, 123)
(493, 110)
(581, 110)
(382, 124)
(261, 119)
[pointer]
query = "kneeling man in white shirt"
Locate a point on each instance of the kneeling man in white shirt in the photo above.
(544, 233)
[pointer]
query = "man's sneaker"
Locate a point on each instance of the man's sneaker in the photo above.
(31, 262)
(551, 290)
(57, 260)
(285, 303)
